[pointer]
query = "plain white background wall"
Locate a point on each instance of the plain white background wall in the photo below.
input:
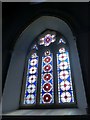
(12, 90)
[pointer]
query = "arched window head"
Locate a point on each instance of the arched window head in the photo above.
(65, 89)
(48, 77)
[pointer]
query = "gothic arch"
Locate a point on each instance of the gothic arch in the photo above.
(16, 68)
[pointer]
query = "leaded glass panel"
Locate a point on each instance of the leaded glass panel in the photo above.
(47, 90)
(65, 89)
(31, 80)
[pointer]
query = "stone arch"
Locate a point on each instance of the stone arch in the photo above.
(12, 90)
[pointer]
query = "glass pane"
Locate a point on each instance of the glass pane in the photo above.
(61, 40)
(47, 90)
(35, 47)
(65, 89)
(47, 39)
(31, 80)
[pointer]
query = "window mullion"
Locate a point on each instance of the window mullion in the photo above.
(55, 78)
(39, 79)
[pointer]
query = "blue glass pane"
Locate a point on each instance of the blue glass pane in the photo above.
(31, 81)
(35, 47)
(47, 90)
(65, 89)
(61, 41)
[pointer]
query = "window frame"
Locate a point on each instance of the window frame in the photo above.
(40, 53)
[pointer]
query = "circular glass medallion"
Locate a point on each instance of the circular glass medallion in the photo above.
(47, 76)
(47, 59)
(47, 98)
(47, 68)
(47, 87)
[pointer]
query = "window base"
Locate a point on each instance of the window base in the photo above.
(61, 112)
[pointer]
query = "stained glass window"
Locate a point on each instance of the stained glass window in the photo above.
(65, 89)
(31, 82)
(48, 77)
(47, 91)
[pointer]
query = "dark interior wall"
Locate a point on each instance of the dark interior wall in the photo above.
(17, 16)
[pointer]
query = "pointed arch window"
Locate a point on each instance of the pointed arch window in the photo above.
(48, 80)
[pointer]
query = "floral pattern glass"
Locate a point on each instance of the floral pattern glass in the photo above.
(42, 81)
(65, 89)
(47, 92)
(47, 39)
(31, 81)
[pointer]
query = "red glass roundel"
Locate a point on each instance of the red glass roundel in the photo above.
(47, 76)
(47, 87)
(47, 68)
(47, 97)
(47, 59)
